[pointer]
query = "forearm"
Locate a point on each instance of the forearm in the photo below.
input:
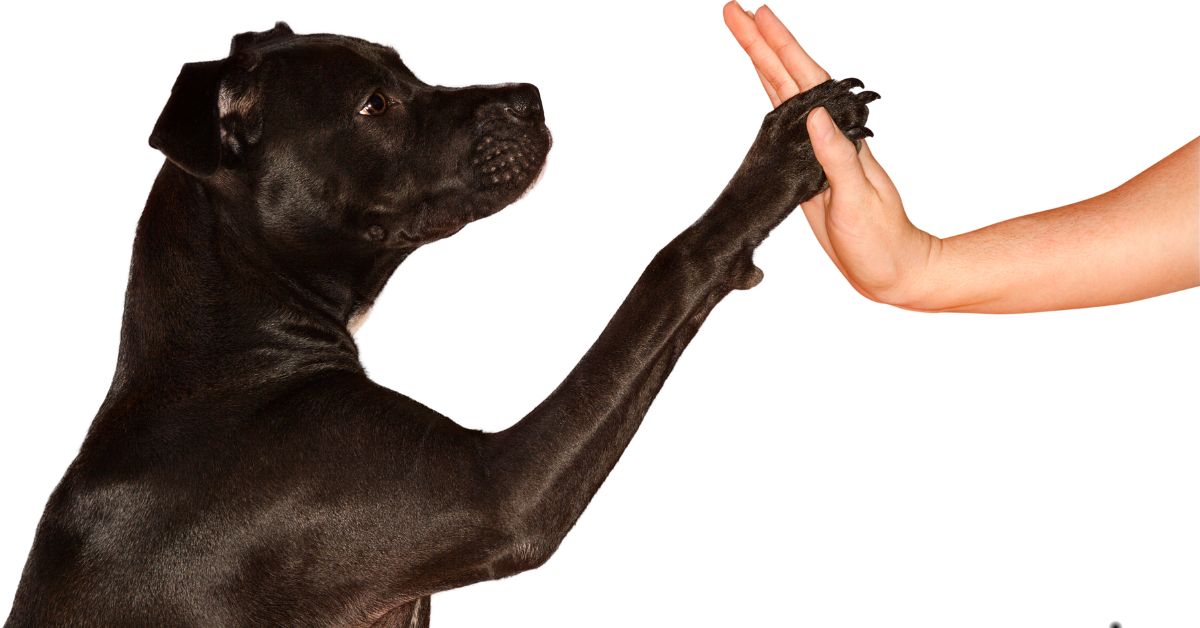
(555, 458)
(1137, 241)
(550, 463)
(562, 451)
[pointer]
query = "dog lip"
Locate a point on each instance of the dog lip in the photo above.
(508, 158)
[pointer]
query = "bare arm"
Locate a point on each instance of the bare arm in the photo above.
(1137, 241)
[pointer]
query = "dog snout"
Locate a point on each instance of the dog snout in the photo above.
(523, 104)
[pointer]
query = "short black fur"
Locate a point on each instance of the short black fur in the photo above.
(243, 470)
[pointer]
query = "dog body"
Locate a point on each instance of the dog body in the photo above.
(243, 470)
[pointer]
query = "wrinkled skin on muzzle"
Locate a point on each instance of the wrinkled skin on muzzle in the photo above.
(349, 161)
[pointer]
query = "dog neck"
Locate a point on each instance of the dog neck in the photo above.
(202, 294)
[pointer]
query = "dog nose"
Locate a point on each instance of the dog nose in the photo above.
(523, 103)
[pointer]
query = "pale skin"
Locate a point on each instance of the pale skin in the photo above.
(1139, 240)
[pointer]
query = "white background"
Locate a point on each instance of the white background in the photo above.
(816, 459)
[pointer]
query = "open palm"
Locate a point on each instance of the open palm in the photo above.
(859, 220)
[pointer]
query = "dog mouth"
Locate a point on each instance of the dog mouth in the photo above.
(506, 159)
(502, 157)
(500, 163)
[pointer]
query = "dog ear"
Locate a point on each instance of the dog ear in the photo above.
(188, 130)
(245, 42)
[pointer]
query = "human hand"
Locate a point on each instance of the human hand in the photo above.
(859, 220)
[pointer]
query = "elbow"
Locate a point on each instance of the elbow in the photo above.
(529, 533)
(522, 554)
(532, 519)
(524, 549)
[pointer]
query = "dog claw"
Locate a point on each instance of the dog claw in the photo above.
(859, 132)
(850, 83)
(868, 96)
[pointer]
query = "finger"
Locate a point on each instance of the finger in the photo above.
(803, 70)
(764, 58)
(837, 155)
(767, 87)
(877, 176)
(775, 100)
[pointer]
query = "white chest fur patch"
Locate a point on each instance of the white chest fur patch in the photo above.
(358, 319)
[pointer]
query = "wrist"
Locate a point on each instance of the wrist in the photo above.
(919, 283)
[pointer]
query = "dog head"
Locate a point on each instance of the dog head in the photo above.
(335, 152)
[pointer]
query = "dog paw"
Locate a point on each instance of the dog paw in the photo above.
(779, 172)
(784, 135)
(847, 108)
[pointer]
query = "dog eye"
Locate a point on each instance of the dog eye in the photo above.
(375, 105)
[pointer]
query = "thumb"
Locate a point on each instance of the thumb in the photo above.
(836, 153)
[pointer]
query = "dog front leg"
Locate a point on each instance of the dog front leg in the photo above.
(548, 466)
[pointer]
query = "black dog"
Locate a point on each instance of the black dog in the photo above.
(243, 470)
